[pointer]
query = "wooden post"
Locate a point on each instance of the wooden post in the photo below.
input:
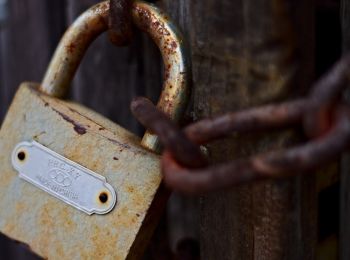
(248, 53)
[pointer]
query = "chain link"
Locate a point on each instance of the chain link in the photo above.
(324, 115)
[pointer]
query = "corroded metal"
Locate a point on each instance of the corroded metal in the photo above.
(49, 226)
(177, 69)
(278, 164)
(120, 25)
(185, 152)
(148, 18)
(324, 108)
(256, 119)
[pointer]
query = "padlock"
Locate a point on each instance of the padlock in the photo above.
(74, 185)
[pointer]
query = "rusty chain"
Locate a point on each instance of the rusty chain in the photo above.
(120, 25)
(324, 116)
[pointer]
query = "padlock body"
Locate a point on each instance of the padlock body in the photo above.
(50, 227)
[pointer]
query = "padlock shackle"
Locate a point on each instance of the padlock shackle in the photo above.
(147, 17)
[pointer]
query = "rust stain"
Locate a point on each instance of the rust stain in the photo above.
(75, 153)
(125, 146)
(86, 117)
(130, 189)
(20, 207)
(36, 137)
(45, 219)
(65, 217)
(81, 130)
(174, 45)
(10, 227)
(127, 222)
(102, 247)
(71, 47)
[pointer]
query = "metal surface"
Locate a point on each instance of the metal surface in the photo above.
(54, 229)
(278, 164)
(63, 178)
(169, 134)
(51, 228)
(264, 118)
(324, 115)
(120, 25)
(148, 18)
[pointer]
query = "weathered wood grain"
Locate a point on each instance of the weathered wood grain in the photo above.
(248, 53)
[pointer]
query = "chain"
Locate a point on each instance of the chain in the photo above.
(324, 116)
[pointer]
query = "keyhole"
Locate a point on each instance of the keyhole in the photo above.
(21, 156)
(103, 197)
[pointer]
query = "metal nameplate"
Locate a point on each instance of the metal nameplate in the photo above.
(63, 178)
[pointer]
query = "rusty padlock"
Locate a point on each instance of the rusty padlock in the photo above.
(73, 184)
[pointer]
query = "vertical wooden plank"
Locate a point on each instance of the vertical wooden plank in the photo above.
(264, 57)
(183, 221)
(27, 41)
(248, 53)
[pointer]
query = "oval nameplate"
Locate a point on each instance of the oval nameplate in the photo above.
(63, 178)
